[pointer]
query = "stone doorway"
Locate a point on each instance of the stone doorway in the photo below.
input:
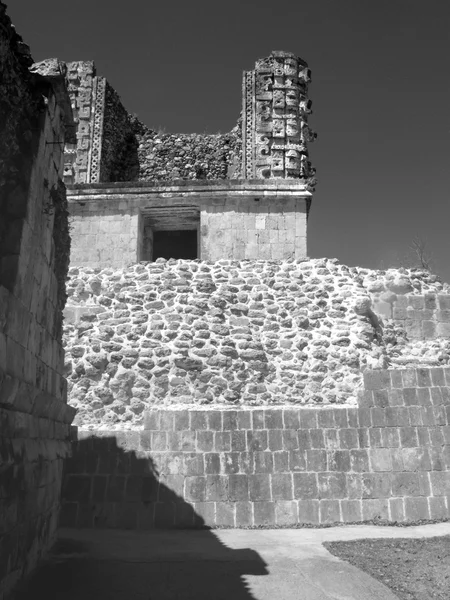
(171, 232)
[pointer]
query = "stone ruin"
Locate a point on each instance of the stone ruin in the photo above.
(219, 376)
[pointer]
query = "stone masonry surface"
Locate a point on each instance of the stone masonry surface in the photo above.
(236, 333)
(386, 459)
(34, 251)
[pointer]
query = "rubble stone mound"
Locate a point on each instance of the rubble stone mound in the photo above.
(252, 333)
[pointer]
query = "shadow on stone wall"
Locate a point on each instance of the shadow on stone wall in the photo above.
(149, 564)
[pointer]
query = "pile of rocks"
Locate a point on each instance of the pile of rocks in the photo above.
(228, 332)
(166, 157)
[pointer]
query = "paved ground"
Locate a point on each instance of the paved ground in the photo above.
(210, 565)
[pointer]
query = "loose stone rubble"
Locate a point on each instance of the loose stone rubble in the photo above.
(181, 332)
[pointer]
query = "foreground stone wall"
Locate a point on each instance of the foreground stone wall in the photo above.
(387, 459)
(34, 254)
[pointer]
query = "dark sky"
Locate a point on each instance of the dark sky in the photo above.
(380, 91)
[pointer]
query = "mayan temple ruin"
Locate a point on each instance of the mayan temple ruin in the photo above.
(192, 366)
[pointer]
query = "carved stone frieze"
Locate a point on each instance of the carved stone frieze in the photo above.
(80, 76)
(275, 112)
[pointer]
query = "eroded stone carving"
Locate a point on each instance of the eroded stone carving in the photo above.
(275, 111)
(80, 76)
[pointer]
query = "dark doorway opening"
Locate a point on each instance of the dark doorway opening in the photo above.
(175, 244)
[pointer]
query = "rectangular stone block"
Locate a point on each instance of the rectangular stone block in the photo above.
(195, 488)
(238, 441)
(225, 514)
(286, 513)
(222, 441)
(348, 438)
(359, 460)
(410, 396)
(290, 439)
(258, 419)
(304, 439)
(305, 486)
(416, 509)
(230, 420)
(408, 437)
(273, 418)
(316, 460)
(376, 380)
(345, 417)
(440, 483)
(326, 418)
(331, 439)
(390, 437)
(204, 441)
(380, 459)
(380, 398)
(244, 514)
(308, 418)
(263, 462)
(238, 487)
(181, 420)
(317, 438)
(215, 420)
(198, 420)
(257, 440)
(244, 419)
(166, 420)
(438, 508)
(396, 378)
(259, 487)
(329, 512)
(184, 515)
(351, 511)
(338, 460)
(151, 419)
(264, 513)
(230, 462)
(282, 486)
(205, 514)
(332, 485)
(308, 512)
(212, 463)
(193, 464)
(416, 459)
(365, 398)
(375, 509)
(291, 418)
(275, 440)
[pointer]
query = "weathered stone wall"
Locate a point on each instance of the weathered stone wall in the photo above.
(119, 156)
(168, 156)
(34, 248)
(225, 332)
(109, 238)
(265, 228)
(235, 219)
(387, 459)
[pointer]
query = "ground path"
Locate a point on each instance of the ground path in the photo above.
(231, 564)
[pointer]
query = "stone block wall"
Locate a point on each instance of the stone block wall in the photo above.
(385, 460)
(260, 228)
(425, 317)
(236, 219)
(105, 236)
(34, 246)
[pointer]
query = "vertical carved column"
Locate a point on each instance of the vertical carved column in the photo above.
(80, 76)
(275, 112)
(97, 130)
